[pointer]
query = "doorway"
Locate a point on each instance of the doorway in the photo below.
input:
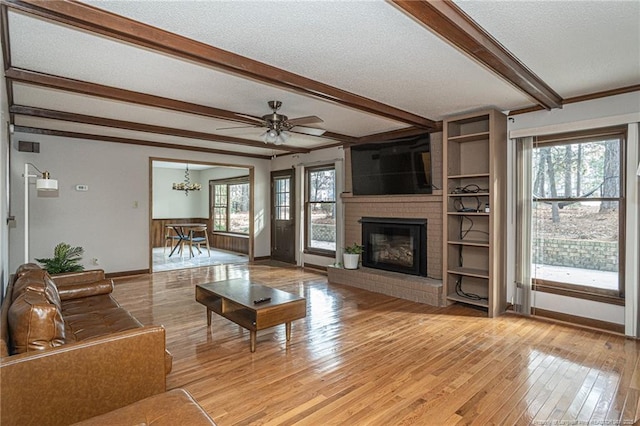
(179, 194)
(283, 216)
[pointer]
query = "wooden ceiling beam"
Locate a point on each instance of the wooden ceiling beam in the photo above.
(582, 98)
(393, 134)
(89, 136)
(118, 27)
(140, 127)
(6, 53)
(129, 96)
(114, 93)
(449, 22)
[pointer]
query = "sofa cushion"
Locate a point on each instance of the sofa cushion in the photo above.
(88, 304)
(35, 324)
(39, 281)
(97, 323)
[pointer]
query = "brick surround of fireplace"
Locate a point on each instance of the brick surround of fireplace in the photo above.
(405, 207)
(426, 290)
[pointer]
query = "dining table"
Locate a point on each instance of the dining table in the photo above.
(183, 232)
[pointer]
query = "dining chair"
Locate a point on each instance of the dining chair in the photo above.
(197, 237)
(169, 239)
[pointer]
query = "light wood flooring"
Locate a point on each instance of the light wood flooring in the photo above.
(361, 358)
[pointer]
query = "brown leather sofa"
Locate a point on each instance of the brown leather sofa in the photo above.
(69, 351)
(175, 407)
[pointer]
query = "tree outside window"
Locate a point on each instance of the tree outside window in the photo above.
(578, 214)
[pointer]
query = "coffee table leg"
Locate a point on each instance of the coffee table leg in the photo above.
(208, 317)
(253, 340)
(287, 327)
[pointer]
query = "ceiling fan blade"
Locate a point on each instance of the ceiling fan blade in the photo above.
(313, 131)
(237, 127)
(251, 117)
(310, 119)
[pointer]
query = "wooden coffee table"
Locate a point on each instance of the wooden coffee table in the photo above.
(234, 300)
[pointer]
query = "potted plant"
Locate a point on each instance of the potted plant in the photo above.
(351, 256)
(65, 259)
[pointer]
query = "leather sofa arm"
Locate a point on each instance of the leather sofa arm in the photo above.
(80, 380)
(68, 278)
(74, 285)
(79, 290)
(174, 407)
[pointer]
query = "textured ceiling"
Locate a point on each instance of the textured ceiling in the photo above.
(369, 48)
(365, 47)
(577, 47)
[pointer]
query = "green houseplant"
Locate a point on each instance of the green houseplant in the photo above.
(65, 259)
(351, 256)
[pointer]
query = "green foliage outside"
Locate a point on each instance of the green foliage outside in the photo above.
(65, 259)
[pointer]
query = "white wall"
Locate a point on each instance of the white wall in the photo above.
(299, 162)
(610, 111)
(5, 271)
(171, 204)
(111, 220)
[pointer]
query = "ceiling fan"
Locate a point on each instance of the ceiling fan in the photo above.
(279, 126)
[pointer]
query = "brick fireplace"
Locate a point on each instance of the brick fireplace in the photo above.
(420, 289)
(427, 207)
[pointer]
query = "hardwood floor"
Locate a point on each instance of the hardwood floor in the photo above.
(362, 358)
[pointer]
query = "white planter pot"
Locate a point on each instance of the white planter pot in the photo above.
(350, 261)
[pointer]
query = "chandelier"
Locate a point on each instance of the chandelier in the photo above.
(186, 186)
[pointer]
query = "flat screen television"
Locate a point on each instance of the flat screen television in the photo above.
(401, 166)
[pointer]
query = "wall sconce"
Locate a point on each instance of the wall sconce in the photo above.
(43, 183)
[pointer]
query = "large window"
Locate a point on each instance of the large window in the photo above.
(320, 217)
(230, 205)
(578, 216)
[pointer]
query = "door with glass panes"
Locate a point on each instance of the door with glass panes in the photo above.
(283, 220)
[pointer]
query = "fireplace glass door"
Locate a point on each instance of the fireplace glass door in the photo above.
(397, 245)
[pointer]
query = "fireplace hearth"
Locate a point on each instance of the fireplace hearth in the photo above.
(394, 244)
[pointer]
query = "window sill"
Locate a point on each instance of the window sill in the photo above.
(230, 234)
(323, 253)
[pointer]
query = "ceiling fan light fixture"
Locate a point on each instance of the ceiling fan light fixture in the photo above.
(271, 136)
(280, 128)
(280, 139)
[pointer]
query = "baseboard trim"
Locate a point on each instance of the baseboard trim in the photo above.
(127, 273)
(315, 268)
(576, 320)
(260, 258)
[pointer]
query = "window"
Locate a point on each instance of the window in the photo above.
(578, 216)
(320, 210)
(230, 205)
(282, 198)
(220, 207)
